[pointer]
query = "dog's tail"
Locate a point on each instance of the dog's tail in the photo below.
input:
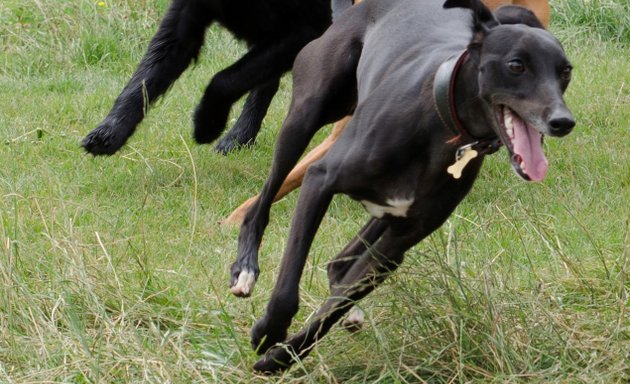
(339, 6)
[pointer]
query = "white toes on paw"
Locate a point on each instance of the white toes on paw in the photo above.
(355, 319)
(245, 283)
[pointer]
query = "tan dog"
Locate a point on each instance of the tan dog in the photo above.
(539, 7)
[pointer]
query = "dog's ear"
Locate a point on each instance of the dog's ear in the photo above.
(515, 14)
(483, 18)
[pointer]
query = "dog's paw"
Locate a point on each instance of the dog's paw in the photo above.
(209, 123)
(265, 336)
(243, 280)
(230, 144)
(276, 360)
(354, 321)
(104, 139)
(242, 135)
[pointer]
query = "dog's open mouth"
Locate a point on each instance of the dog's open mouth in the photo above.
(524, 144)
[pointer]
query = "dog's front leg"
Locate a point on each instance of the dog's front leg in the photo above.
(289, 147)
(324, 90)
(364, 275)
(312, 205)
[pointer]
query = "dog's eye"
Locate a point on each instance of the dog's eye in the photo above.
(516, 66)
(566, 72)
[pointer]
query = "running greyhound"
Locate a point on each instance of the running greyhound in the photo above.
(432, 91)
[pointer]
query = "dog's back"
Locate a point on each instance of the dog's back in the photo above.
(254, 21)
(428, 33)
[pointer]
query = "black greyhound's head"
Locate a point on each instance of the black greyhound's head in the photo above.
(523, 73)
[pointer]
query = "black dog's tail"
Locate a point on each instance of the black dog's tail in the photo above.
(339, 6)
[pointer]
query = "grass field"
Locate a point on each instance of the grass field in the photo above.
(115, 270)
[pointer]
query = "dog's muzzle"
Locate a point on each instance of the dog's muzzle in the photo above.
(524, 144)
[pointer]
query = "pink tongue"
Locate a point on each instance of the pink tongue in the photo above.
(528, 145)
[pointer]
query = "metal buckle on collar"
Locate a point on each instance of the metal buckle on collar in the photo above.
(467, 152)
(462, 150)
(489, 146)
(484, 147)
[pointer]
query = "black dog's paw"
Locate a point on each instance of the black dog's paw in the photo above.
(276, 360)
(265, 336)
(209, 122)
(229, 144)
(104, 140)
(243, 134)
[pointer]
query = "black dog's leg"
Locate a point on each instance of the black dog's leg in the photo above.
(324, 90)
(365, 274)
(312, 205)
(248, 124)
(245, 270)
(367, 236)
(175, 45)
(338, 267)
(262, 64)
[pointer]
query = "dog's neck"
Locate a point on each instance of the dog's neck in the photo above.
(468, 105)
(455, 92)
(444, 95)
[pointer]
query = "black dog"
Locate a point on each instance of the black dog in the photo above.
(432, 91)
(275, 30)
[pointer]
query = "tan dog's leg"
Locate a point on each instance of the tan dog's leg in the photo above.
(294, 179)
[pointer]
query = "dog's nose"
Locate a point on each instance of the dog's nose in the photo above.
(561, 125)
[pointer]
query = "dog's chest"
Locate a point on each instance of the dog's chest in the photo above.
(398, 207)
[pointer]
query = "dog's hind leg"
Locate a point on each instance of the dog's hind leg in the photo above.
(248, 124)
(263, 64)
(324, 90)
(338, 267)
(366, 237)
(175, 45)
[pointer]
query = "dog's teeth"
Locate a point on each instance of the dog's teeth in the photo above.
(508, 121)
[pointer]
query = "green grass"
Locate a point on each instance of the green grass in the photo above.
(607, 20)
(114, 270)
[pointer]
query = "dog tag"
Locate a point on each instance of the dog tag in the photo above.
(464, 155)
